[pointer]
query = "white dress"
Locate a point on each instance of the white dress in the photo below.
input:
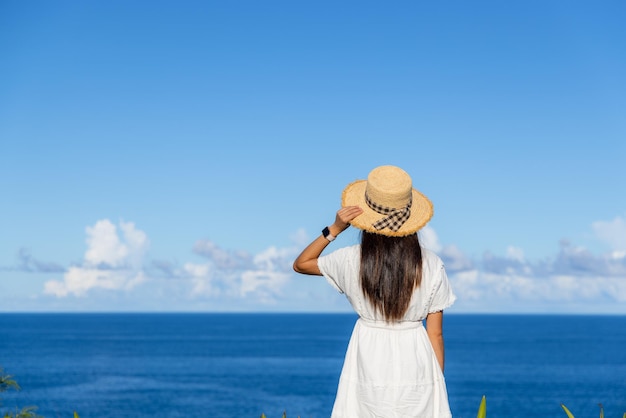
(390, 370)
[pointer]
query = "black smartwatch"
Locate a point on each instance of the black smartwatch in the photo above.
(326, 233)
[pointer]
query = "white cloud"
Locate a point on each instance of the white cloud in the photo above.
(273, 259)
(452, 256)
(479, 290)
(112, 261)
(579, 261)
(612, 232)
(455, 259)
(79, 280)
(115, 258)
(515, 253)
(570, 280)
(104, 245)
(264, 284)
(28, 263)
(300, 238)
(136, 241)
(197, 270)
(220, 257)
(240, 275)
(429, 239)
(574, 277)
(467, 285)
(201, 279)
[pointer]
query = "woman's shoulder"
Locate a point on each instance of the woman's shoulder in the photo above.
(351, 251)
(432, 265)
(429, 257)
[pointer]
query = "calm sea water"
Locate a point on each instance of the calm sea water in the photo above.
(239, 365)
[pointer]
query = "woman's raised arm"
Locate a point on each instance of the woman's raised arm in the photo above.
(306, 263)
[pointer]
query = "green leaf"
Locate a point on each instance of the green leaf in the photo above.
(482, 409)
(76, 415)
(7, 382)
(601, 410)
(569, 414)
(263, 415)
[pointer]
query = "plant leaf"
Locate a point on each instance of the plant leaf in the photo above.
(482, 409)
(601, 410)
(7, 382)
(569, 414)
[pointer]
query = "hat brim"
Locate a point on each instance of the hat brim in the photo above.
(421, 211)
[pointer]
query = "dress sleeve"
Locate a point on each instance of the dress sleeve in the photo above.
(443, 297)
(334, 268)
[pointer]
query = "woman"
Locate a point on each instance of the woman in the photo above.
(393, 365)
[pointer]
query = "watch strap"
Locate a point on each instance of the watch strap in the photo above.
(326, 233)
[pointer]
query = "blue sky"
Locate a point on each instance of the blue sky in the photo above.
(176, 156)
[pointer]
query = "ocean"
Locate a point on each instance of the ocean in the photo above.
(242, 365)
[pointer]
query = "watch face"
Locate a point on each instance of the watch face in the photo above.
(326, 232)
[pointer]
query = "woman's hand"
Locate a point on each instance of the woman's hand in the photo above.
(306, 262)
(343, 218)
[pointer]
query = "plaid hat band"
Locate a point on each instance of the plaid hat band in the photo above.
(395, 217)
(391, 205)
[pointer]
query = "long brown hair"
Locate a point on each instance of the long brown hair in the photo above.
(391, 268)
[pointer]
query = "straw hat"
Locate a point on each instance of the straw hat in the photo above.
(391, 206)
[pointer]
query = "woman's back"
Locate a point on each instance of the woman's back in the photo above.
(341, 269)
